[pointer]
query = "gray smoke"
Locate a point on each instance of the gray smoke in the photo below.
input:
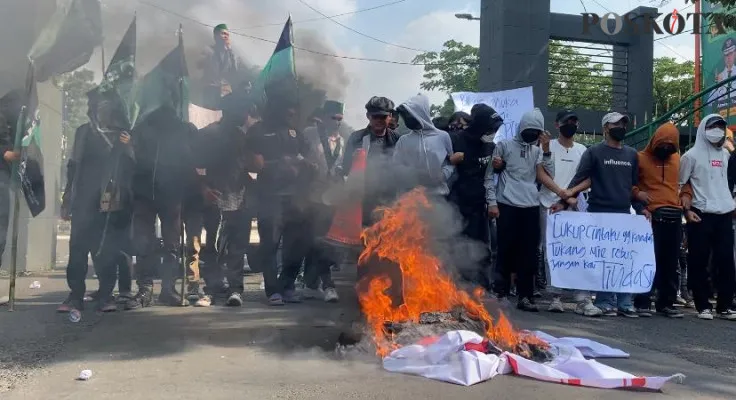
(22, 20)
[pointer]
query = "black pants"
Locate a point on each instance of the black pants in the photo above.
(319, 259)
(234, 244)
(211, 219)
(146, 244)
(280, 219)
(105, 236)
(477, 229)
(518, 239)
(667, 240)
(713, 235)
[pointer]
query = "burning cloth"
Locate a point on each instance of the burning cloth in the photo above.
(458, 357)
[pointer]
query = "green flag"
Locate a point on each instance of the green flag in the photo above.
(29, 170)
(280, 65)
(166, 85)
(118, 85)
(68, 40)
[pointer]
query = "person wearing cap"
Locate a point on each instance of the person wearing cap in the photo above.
(709, 206)
(327, 148)
(221, 68)
(611, 170)
(473, 147)
(378, 140)
(658, 190)
(729, 56)
(566, 155)
(513, 199)
(279, 154)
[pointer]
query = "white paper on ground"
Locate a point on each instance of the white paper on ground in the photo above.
(587, 347)
(447, 360)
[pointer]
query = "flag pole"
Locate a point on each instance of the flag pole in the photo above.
(20, 128)
(182, 241)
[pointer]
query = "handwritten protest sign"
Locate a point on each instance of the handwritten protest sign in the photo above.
(600, 252)
(510, 104)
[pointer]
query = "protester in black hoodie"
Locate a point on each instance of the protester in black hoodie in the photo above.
(165, 170)
(473, 148)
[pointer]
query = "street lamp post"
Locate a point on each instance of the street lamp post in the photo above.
(467, 16)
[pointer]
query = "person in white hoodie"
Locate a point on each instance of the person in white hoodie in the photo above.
(708, 206)
(424, 153)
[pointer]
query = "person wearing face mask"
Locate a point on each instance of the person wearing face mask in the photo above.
(459, 121)
(566, 155)
(658, 191)
(327, 147)
(513, 199)
(279, 154)
(473, 148)
(708, 206)
(424, 152)
(611, 170)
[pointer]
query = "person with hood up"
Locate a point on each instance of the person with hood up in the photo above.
(378, 140)
(567, 155)
(610, 170)
(514, 200)
(658, 190)
(473, 149)
(164, 173)
(709, 206)
(425, 151)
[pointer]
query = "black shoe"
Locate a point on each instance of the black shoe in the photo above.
(171, 298)
(526, 305)
(142, 299)
(670, 312)
(235, 300)
(194, 291)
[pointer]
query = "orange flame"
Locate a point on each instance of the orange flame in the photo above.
(401, 237)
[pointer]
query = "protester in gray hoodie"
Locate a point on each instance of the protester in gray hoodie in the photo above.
(425, 151)
(513, 199)
(708, 207)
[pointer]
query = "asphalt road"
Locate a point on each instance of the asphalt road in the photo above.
(261, 352)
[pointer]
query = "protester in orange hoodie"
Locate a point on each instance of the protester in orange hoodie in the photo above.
(658, 191)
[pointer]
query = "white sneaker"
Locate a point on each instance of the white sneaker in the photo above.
(331, 295)
(312, 294)
(556, 306)
(728, 315)
(587, 309)
(705, 314)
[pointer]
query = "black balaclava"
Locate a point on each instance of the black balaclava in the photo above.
(409, 120)
(484, 120)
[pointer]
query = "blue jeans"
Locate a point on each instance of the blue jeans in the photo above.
(612, 301)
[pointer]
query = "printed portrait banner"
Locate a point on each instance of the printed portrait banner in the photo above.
(600, 252)
(510, 104)
(719, 63)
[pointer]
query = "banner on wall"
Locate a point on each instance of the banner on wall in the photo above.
(719, 56)
(510, 104)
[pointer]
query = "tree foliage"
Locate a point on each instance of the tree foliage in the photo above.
(75, 86)
(673, 83)
(576, 80)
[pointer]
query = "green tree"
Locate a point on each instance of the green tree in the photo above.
(75, 86)
(453, 69)
(673, 83)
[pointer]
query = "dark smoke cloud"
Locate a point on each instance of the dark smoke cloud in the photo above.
(22, 20)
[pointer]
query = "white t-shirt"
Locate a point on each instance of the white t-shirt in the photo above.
(566, 164)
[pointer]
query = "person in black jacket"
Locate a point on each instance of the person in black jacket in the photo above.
(164, 172)
(473, 149)
(8, 157)
(378, 141)
(98, 200)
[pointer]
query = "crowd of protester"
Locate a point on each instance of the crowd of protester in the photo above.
(259, 163)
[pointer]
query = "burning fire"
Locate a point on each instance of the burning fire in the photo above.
(401, 237)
